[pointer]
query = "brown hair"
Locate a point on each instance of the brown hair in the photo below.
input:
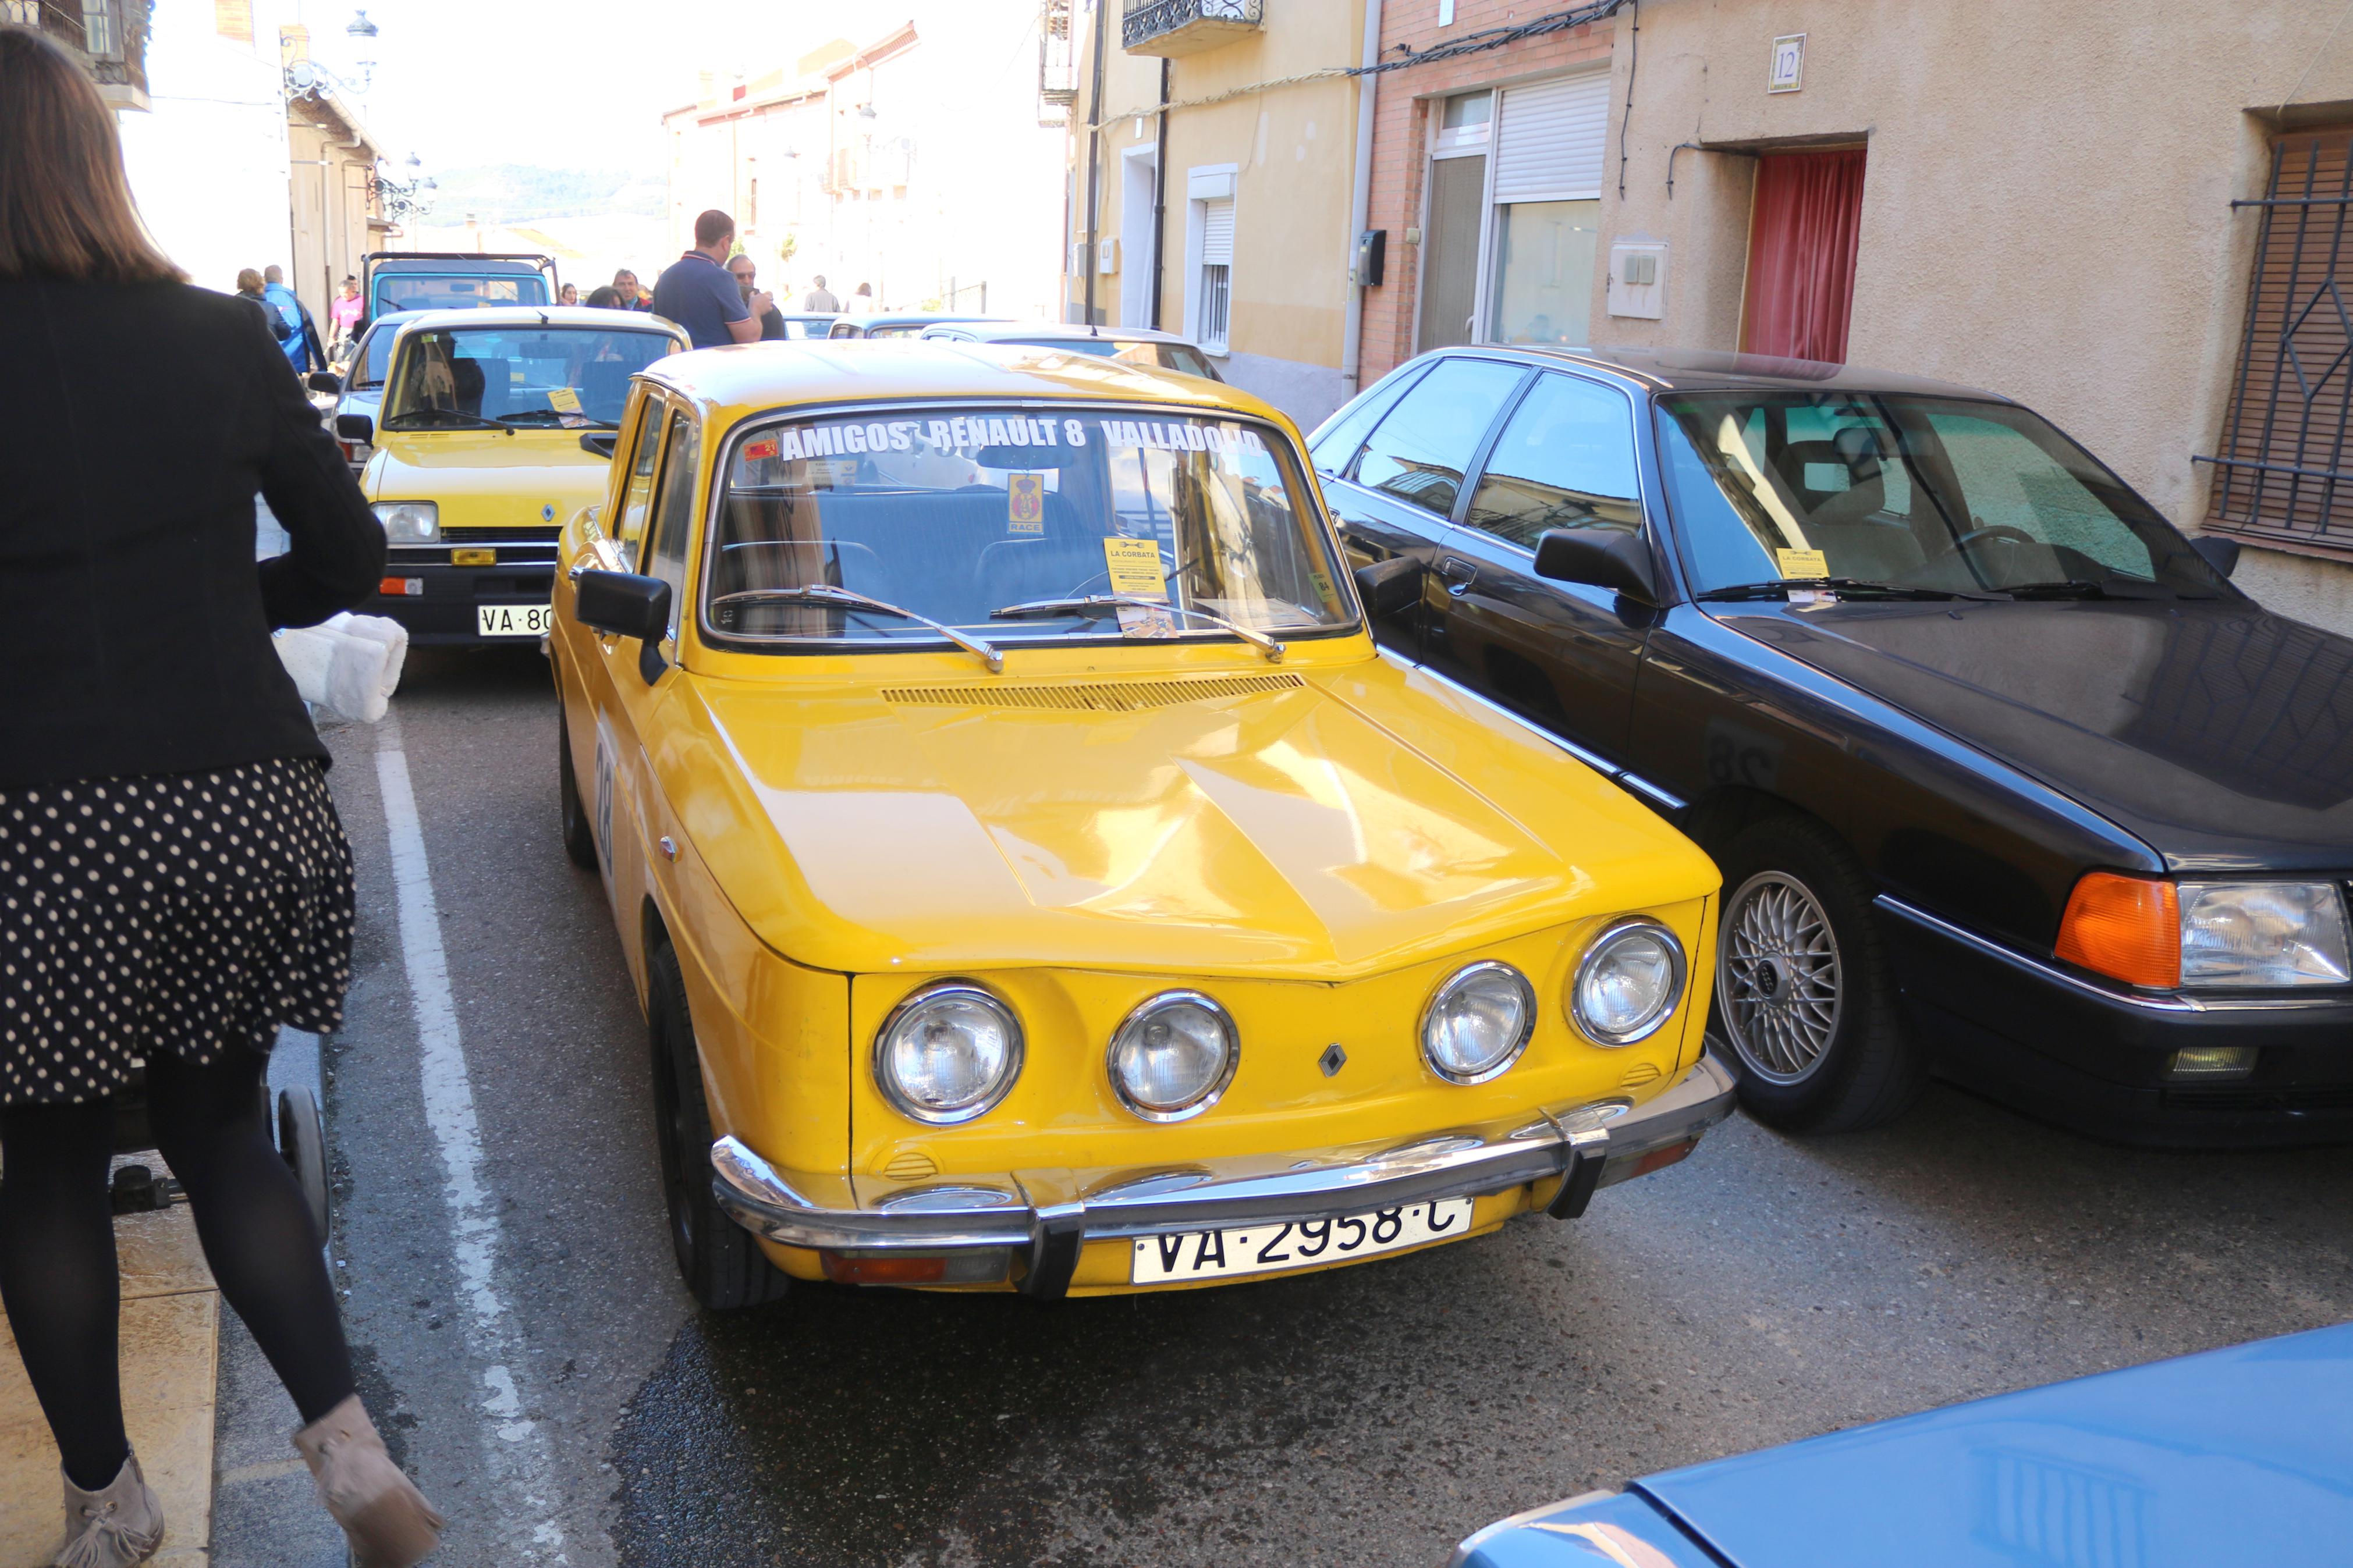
(248, 281)
(65, 204)
(711, 227)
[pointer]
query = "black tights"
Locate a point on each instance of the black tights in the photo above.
(57, 1272)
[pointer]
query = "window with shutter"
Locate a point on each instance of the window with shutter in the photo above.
(2284, 475)
(1548, 143)
(1216, 272)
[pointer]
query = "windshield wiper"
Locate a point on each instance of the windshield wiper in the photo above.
(2081, 588)
(1856, 585)
(826, 594)
(532, 418)
(1095, 606)
(417, 418)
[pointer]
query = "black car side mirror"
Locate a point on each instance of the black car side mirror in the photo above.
(1601, 557)
(599, 442)
(622, 603)
(2222, 555)
(1389, 587)
(356, 428)
(325, 381)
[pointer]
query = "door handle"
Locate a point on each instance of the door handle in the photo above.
(1458, 575)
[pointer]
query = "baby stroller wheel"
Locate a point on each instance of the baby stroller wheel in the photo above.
(301, 1139)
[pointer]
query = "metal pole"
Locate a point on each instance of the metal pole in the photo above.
(1160, 198)
(1094, 155)
(1360, 203)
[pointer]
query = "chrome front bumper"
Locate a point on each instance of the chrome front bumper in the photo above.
(1049, 1214)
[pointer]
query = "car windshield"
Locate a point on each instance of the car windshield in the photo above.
(437, 291)
(450, 377)
(376, 362)
(1916, 492)
(1180, 357)
(957, 515)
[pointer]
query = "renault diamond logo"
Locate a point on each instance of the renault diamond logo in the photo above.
(547, 512)
(1332, 1060)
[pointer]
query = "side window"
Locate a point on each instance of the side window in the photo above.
(673, 514)
(630, 528)
(1334, 447)
(1418, 453)
(1565, 460)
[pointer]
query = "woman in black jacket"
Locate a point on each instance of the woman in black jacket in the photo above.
(173, 882)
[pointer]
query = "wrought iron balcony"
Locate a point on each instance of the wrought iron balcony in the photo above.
(1174, 28)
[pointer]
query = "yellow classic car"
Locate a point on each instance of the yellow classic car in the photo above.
(495, 426)
(1035, 877)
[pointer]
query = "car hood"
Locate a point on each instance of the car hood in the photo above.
(531, 479)
(2236, 1456)
(1318, 824)
(2219, 733)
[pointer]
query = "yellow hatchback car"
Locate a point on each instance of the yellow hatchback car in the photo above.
(1036, 878)
(495, 426)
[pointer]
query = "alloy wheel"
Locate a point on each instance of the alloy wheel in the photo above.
(1778, 978)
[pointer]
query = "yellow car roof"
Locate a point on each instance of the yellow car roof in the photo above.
(749, 377)
(545, 315)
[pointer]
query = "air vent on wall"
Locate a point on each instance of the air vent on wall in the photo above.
(1092, 696)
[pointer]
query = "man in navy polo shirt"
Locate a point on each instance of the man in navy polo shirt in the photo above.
(698, 292)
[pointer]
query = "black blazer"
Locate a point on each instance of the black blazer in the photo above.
(137, 421)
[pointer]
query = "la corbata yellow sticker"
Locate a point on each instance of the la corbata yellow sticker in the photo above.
(1135, 568)
(1802, 562)
(1025, 503)
(564, 400)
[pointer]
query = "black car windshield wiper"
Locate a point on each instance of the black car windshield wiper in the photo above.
(826, 594)
(1781, 587)
(2081, 588)
(1095, 606)
(421, 419)
(532, 418)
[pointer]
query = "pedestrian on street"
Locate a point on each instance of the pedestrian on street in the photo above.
(862, 303)
(248, 288)
(624, 284)
(696, 292)
(158, 769)
(344, 315)
(300, 341)
(821, 299)
(568, 295)
(604, 298)
(746, 273)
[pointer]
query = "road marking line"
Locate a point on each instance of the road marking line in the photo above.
(520, 1453)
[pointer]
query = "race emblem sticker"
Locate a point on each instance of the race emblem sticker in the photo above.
(1025, 503)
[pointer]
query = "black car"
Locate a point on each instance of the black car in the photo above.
(2006, 779)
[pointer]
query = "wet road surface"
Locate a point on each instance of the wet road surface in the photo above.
(562, 1399)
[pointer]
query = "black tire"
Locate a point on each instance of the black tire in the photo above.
(579, 839)
(1804, 996)
(722, 1265)
(302, 1140)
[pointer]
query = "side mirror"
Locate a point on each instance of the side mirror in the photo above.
(324, 381)
(599, 442)
(1389, 587)
(2222, 555)
(356, 428)
(622, 603)
(1602, 557)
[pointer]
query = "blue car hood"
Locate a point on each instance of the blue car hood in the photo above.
(2235, 1456)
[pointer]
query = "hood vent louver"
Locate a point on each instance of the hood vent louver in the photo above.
(1092, 696)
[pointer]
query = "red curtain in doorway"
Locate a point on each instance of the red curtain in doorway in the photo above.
(1802, 247)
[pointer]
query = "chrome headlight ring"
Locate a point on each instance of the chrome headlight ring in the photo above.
(1484, 973)
(1129, 1034)
(944, 996)
(1613, 935)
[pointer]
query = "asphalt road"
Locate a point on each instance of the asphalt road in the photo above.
(562, 1399)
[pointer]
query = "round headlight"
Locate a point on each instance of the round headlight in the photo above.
(1174, 1056)
(1478, 1022)
(1628, 982)
(948, 1052)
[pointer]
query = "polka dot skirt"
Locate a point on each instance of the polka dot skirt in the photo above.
(192, 913)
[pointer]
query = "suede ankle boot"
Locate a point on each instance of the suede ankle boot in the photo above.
(115, 1527)
(386, 1518)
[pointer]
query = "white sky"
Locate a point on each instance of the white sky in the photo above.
(563, 83)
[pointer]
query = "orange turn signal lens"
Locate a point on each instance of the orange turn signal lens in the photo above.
(2128, 928)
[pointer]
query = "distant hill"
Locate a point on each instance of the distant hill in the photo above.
(518, 192)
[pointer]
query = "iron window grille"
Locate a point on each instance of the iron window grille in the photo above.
(2283, 476)
(1217, 303)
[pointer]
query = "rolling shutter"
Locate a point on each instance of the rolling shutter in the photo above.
(1549, 140)
(1218, 232)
